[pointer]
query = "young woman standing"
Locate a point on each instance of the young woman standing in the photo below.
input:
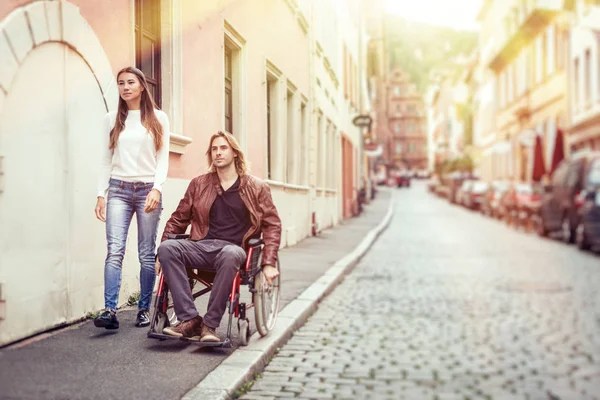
(133, 170)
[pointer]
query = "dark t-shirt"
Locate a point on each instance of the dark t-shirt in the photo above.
(229, 218)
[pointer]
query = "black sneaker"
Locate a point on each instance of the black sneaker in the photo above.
(108, 319)
(143, 318)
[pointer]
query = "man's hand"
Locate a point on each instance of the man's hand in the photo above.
(101, 209)
(152, 200)
(270, 273)
(157, 267)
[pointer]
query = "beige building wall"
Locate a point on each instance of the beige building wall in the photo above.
(56, 86)
(584, 79)
(529, 64)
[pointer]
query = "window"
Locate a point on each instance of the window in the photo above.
(228, 92)
(522, 73)
(550, 51)
(272, 120)
(531, 77)
(576, 85)
(509, 85)
(501, 89)
(559, 45)
(290, 174)
(588, 78)
(398, 107)
(354, 84)
(398, 127)
(396, 90)
(331, 156)
(346, 72)
(598, 68)
(398, 148)
(148, 43)
(303, 144)
(320, 124)
(233, 71)
(544, 60)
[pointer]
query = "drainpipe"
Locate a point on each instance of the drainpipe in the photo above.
(313, 115)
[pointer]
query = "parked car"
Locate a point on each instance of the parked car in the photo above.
(587, 233)
(403, 179)
(560, 208)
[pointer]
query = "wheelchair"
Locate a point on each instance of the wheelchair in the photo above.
(265, 299)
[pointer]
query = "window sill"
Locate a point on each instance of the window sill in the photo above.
(287, 185)
(326, 190)
(179, 143)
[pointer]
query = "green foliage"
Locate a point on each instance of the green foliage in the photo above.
(419, 49)
(461, 164)
(133, 299)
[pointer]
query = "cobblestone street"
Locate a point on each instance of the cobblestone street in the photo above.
(449, 304)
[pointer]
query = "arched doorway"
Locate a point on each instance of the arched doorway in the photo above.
(51, 121)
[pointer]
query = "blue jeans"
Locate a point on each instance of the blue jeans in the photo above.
(125, 199)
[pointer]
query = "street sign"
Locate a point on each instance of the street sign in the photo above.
(362, 121)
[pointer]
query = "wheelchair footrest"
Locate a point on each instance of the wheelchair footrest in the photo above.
(197, 342)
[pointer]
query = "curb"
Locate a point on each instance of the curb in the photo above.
(240, 366)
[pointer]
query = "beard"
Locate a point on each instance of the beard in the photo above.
(223, 166)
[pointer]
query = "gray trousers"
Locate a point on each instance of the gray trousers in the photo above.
(213, 255)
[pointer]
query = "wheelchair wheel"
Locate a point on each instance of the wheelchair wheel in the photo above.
(266, 302)
(244, 331)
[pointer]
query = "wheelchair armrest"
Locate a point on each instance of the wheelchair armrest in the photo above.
(255, 242)
(178, 236)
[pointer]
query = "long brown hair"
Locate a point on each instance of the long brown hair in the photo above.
(147, 106)
(241, 167)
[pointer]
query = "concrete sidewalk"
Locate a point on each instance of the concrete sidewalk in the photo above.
(83, 362)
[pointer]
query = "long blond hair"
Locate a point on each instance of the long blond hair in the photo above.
(241, 166)
(147, 106)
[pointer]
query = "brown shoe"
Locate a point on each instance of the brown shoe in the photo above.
(190, 328)
(208, 334)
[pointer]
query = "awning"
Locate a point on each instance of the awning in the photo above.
(374, 153)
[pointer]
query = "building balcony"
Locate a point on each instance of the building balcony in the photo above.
(407, 115)
(405, 156)
(406, 95)
(410, 135)
(525, 22)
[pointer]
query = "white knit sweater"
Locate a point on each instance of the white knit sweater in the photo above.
(135, 158)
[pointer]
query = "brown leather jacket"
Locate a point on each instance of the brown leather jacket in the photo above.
(202, 191)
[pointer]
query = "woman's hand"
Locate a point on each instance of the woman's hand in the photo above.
(157, 267)
(101, 209)
(152, 200)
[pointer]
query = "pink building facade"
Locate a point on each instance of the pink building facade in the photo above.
(245, 66)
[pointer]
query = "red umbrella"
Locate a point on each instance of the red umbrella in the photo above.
(539, 170)
(559, 151)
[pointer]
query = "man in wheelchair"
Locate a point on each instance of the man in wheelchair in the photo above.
(225, 207)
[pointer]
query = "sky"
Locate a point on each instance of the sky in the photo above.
(457, 14)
